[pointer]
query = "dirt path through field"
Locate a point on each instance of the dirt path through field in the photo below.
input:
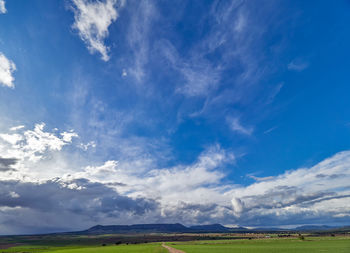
(172, 250)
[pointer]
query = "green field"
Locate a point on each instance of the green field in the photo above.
(338, 244)
(135, 248)
(310, 245)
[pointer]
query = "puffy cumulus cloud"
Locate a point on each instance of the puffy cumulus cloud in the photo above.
(2, 7)
(198, 182)
(192, 213)
(7, 67)
(32, 144)
(185, 193)
(92, 19)
(68, 136)
(237, 206)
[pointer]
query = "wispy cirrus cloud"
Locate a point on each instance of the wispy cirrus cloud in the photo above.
(231, 43)
(7, 67)
(200, 77)
(298, 65)
(139, 38)
(92, 20)
(237, 126)
(260, 179)
(15, 128)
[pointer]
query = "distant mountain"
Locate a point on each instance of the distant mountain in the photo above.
(210, 228)
(137, 228)
(313, 228)
(266, 230)
(238, 229)
(157, 228)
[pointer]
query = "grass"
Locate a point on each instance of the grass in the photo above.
(324, 244)
(134, 248)
(146, 248)
(309, 245)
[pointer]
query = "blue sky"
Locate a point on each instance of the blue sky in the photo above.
(154, 111)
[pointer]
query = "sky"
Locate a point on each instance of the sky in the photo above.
(193, 112)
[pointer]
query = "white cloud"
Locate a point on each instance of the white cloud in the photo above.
(199, 192)
(11, 138)
(92, 19)
(196, 192)
(237, 206)
(14, 195)
(274, 92)
(15, 128)
(298, 65)
(7, 67)
(32, 144)
(2, 7)
(124, 73)
(68, 136)
(260, 178)
(238, 127)
(321, 191)
(86, 146)
(200, 76)
(240, 22)
(138, 38)
(191, 181)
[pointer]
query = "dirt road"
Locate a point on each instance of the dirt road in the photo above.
(172, 250)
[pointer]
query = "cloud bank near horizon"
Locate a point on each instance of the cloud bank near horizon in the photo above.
(194, 193)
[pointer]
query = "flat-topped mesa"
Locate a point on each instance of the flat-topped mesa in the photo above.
(138, 228)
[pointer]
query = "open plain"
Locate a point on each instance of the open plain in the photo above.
(188, 243)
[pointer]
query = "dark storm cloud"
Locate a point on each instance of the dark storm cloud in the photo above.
(310, 203)
(59, 206)
(269, 209)
(333, 176)
(81, 197)
(6, 163)
(272, 219)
